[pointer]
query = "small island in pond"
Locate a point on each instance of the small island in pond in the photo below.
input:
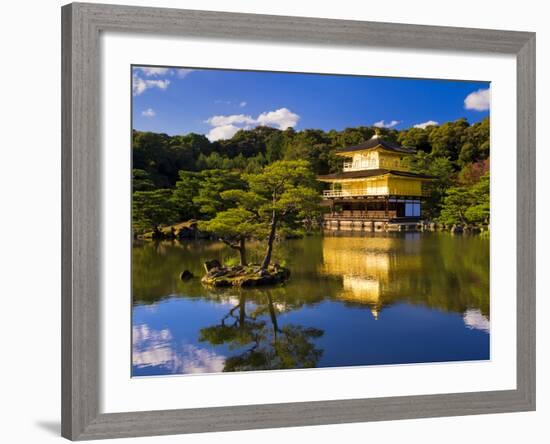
(218, 275)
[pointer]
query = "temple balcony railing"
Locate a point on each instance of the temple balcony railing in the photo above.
(373, 165)
(373, 191)
(360, 215)
(382, 191)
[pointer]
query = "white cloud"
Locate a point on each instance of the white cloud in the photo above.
(153, 72)
(426, 124)
(282, 118)
(229, 102)
(161, 84)
(140, 85)
(225, 127)
(149, 112)
(479, 100)
(183, 72)
(229, 120)
(156, 72)
(222, 132)
(384, 124)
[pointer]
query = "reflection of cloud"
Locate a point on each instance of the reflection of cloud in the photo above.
(142, 334)
(474, 319)
(280, 306)
(156, 348)
(200, 360)
(225, 299)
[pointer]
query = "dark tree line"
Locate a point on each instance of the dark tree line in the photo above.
(176, 178)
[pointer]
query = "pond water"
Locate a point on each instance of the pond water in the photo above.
(351, 300)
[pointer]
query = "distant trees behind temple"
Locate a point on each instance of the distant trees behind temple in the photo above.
(196, 170)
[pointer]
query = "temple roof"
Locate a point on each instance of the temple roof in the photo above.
(375, 141)
(360, 174)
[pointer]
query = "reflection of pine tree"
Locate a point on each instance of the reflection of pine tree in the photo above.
(267, 344)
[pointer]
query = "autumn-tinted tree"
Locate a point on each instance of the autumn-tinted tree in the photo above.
(473, 172)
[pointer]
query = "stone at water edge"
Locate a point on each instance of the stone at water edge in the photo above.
(457, 229)
(185, 275)
(211, 265)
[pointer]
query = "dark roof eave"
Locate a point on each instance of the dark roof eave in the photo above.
(361, 174)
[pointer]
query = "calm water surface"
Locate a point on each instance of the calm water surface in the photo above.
(351, 300)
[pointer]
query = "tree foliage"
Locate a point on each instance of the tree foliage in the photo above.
(184, 193)
(286, 194)
(234, 226)
(141, 180)
(467, 204)
(211, 184)
(151, 209)
(282, 195)
(162, 156)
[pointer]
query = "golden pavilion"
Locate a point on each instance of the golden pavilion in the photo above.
(375, 190)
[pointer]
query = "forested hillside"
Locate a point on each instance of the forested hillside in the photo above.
(177, 178)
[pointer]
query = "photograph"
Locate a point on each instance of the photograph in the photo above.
(298, 220)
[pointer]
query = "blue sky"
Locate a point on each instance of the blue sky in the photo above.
(217, 102)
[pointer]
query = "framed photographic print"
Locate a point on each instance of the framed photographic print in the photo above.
(278, 221)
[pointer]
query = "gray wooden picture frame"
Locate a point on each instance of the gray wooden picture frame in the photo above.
(81, 172)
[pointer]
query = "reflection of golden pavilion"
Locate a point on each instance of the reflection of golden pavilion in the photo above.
(366, 265)
(362, 290)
